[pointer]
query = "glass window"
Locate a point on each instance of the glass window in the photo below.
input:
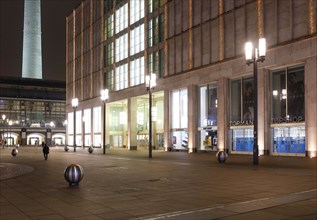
(179, 108)
(288, 95)
(108, 54)
(156, 30)
(97, 120)
(122, 77)
(154, 5)
(242, 140)
(136, 10)
(122, 18)
(208, 117)
(158, 115)
(110, 80)
(108, 5)
(289, 139)
(108, 30)
(208, 105)
(115, 122)
(137, 71)
(180, 140)
(70, 121)
(122, 47)
(242, 106)
(156, 62)
(242, 113)
(87, 120)
(78, 122)
(87, 127)
(137, 40)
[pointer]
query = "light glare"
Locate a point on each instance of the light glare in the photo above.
(248, 50)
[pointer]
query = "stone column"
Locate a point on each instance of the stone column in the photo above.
(223, 114)
(192, 118)
(167, 128)
(311, 106)
(132, 124)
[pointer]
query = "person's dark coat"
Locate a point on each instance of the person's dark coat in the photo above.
(46, 149)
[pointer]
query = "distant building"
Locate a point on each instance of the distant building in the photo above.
(32, 111)
(203, 99)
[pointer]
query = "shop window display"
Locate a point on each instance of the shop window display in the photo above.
(242, 114)
(179, 119)
(208, 117)
(288, 110)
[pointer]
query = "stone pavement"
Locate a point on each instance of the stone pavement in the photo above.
(172, 185)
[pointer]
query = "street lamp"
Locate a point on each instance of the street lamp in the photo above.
(104, 97)
(150, 83)
(254, 55)
(74, 104)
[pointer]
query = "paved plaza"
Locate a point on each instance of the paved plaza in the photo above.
(172, 185)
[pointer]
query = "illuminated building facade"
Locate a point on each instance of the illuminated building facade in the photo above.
(203, 95)
(32, 111)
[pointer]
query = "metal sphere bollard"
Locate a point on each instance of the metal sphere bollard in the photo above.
(73, 174)
(14, 152)
(221, 156)
(90, 149)
(66, 148)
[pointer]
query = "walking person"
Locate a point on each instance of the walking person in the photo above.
(46, 151)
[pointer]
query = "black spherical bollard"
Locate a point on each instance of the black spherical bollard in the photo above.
(14, 152)
(90, 149)
(66, 148)
(221, 156)
(73, 174)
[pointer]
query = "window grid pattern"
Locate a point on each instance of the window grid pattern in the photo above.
(121, 18)
(110, 80)
(137, 71)
(122, 77)
(156, 62)
(156, 30)
(29, 113)
(108, 54)
(154, 5)
(122, 47)
(136, 10)
(137, 40)
(108, 30)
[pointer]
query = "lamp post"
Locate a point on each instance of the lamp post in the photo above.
(74, 104)
(150, 83)
(255, 55)
(104, 97)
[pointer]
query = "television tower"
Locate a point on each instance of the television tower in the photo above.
(32, 42)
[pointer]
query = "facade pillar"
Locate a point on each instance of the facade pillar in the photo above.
(167, 127)
(49, 134)
(192, 118)
(311, 107)
(261, 112)
(223, 114)
(132, 124)
(23, 136)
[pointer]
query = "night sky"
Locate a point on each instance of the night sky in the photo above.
(54, 14)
